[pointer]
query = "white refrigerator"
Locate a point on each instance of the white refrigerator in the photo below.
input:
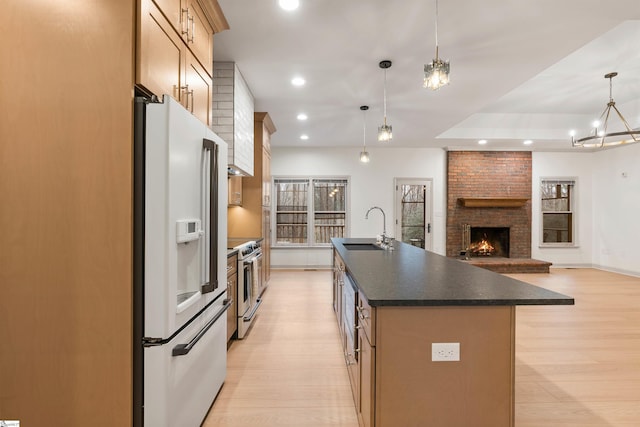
(180, 234)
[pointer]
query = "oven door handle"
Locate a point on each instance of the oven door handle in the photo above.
(251, 260)
(182, 349)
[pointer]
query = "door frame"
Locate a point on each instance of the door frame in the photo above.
(428, 209)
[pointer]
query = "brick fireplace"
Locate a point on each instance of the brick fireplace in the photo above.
(491, 190)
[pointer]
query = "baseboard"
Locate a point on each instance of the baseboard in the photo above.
(618, 270)
(598, 267)
(554, 265)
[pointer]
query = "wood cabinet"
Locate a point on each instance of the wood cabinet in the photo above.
(232, 293)
(263, 129)
(66, 270)
(254, 218)
(67, 326)
(338, 282)
(395, 382)
(266, 167)
(175, 51)
(189, 20)
(266, 245)
(356, 320)
(366, 373)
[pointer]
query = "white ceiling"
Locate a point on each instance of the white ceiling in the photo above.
(520, 69)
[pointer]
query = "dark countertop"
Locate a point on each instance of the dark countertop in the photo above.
(410, 276)
(231, 252)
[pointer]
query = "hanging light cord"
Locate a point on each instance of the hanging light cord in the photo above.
(384, 97)
(364, 130)
(436, 29)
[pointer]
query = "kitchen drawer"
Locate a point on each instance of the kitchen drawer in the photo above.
(366, 318)
(232, 265)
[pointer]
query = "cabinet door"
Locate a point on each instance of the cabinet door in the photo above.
(232, 312)
(351, 360)
(367, 381)
(197, 90)
(266, 245)
(199, 34)
(266, 178)
(172, 9)
(161, 53)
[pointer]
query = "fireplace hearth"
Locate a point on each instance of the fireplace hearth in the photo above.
(486, 241)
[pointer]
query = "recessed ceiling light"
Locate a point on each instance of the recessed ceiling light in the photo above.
(298, 81)
(304, 137)
(289, 4)
(528, 142)
(302, 116)
(482, 141)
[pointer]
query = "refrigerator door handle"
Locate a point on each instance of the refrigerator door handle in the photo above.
(182, 349)
(212, 284)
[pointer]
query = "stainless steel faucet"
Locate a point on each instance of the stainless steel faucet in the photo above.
(384, 219)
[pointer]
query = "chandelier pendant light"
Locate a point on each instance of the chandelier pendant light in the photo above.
(384, 131)
(600, 136)
(364, 155)
(436, 73)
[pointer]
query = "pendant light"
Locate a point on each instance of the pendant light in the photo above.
(436, 74)
(364, 155)
(384, 131)
(600, 136)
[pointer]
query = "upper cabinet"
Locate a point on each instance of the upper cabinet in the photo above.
(263, 129)
(175, 51)
(233, 116)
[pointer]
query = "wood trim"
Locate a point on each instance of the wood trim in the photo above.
(265, 118)
(492, 202)
(214, 13)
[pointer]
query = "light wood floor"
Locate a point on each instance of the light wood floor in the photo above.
(579, 365)
(575, 365)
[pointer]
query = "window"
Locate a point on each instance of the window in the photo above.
(412, 213)
(309, 211)
(558, 216)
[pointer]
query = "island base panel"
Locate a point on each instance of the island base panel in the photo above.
(411, 390)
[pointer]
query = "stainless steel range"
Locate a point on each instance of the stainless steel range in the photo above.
(249, 284)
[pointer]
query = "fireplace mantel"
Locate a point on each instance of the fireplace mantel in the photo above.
(492, 202)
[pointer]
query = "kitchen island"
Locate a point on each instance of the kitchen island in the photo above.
(394, 305)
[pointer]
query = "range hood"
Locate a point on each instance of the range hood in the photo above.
(233, 116)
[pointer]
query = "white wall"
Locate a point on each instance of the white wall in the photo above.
(608, 208)
(616, 209)
(570, 165)
(608, 204)
(371, 185)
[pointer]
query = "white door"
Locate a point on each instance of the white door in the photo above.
(413, 211)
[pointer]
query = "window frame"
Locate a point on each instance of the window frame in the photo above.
(310, 180)
(573, 197)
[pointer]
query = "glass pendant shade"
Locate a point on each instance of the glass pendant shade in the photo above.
(385, 133)
(436, 74)
(364, 157)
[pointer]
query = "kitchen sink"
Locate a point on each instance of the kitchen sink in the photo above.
(361, 247)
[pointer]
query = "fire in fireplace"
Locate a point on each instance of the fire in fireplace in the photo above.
(486, 241)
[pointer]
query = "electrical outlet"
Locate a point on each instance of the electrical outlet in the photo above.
(445, 352)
